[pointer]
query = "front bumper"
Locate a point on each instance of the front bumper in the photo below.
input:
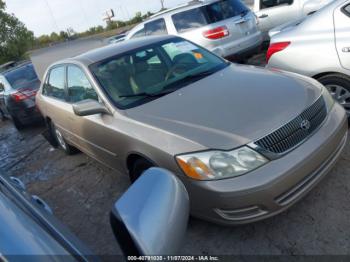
(276, 186)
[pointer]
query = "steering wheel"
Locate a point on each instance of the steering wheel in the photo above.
(177, 67)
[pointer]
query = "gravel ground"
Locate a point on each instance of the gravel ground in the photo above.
(81, 192)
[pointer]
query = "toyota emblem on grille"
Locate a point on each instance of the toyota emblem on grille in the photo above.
(305, 125)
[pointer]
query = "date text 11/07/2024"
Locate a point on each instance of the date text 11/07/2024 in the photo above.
(173, 258)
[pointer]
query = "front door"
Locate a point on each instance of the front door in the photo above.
(342, 34)
(90, 133)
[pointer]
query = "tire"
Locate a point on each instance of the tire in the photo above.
(2, 116)
(139, 166)
(62, 144)
(17, 123)
(339, 87)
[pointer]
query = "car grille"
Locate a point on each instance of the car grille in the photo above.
(296, 131)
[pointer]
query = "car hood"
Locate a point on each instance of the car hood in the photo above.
(230, 108)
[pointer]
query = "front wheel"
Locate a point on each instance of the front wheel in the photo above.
(139, 166)
(68, 149)
(339, 87)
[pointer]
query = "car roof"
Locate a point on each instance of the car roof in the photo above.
(102, 53)
(182, 7)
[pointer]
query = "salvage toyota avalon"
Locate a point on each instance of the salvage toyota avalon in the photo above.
(247, 142)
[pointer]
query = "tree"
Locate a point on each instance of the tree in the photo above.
(15, 38)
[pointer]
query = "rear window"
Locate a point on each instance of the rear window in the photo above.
(224, 10)
(22, 77)
(215, 12)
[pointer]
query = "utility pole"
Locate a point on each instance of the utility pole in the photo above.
(162, 3)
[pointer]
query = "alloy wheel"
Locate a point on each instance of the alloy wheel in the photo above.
(60, 139)
(341, 95)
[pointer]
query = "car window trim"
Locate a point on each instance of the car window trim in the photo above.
(83, 71)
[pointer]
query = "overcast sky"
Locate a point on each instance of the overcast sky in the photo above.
(46, 16)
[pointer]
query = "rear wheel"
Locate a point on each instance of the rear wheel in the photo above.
(17, 123)
(2, 116)
(139, 166)
(68, 149)
(339, 87)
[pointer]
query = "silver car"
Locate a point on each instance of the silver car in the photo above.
(30, 231)
(225, 27)
(318, 47)
(246, 142)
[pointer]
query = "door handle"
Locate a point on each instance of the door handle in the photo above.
(346, 49)
(263, 16)
(241, 21)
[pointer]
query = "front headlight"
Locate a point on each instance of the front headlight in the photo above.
(213, 165)
(329, 100)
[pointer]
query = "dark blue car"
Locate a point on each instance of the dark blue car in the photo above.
(18, 87)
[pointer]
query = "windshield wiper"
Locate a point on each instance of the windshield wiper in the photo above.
(144, 94)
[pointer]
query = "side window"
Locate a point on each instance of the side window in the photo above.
(272, 3)
(79, 87)
(188, 20)
(346, 10)
(55, 83)
(156, 27)
(139, 33)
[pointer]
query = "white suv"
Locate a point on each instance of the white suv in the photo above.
(225, 27)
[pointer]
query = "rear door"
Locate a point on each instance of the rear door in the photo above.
(272, 13)
(56, 106)
(342, 33)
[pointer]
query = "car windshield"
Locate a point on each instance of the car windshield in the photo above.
(147, 73)
(21, 77)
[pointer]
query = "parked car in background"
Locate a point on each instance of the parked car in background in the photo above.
(18, 87)
(225, 27)
(116, 39)
(29, 229)
(230, 132)
(272, 13)
(319, 47)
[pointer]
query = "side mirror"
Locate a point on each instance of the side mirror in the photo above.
(2, 87)
(151, 217)
(89, 107)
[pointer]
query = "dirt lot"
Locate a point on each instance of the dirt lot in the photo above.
(81, 192)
